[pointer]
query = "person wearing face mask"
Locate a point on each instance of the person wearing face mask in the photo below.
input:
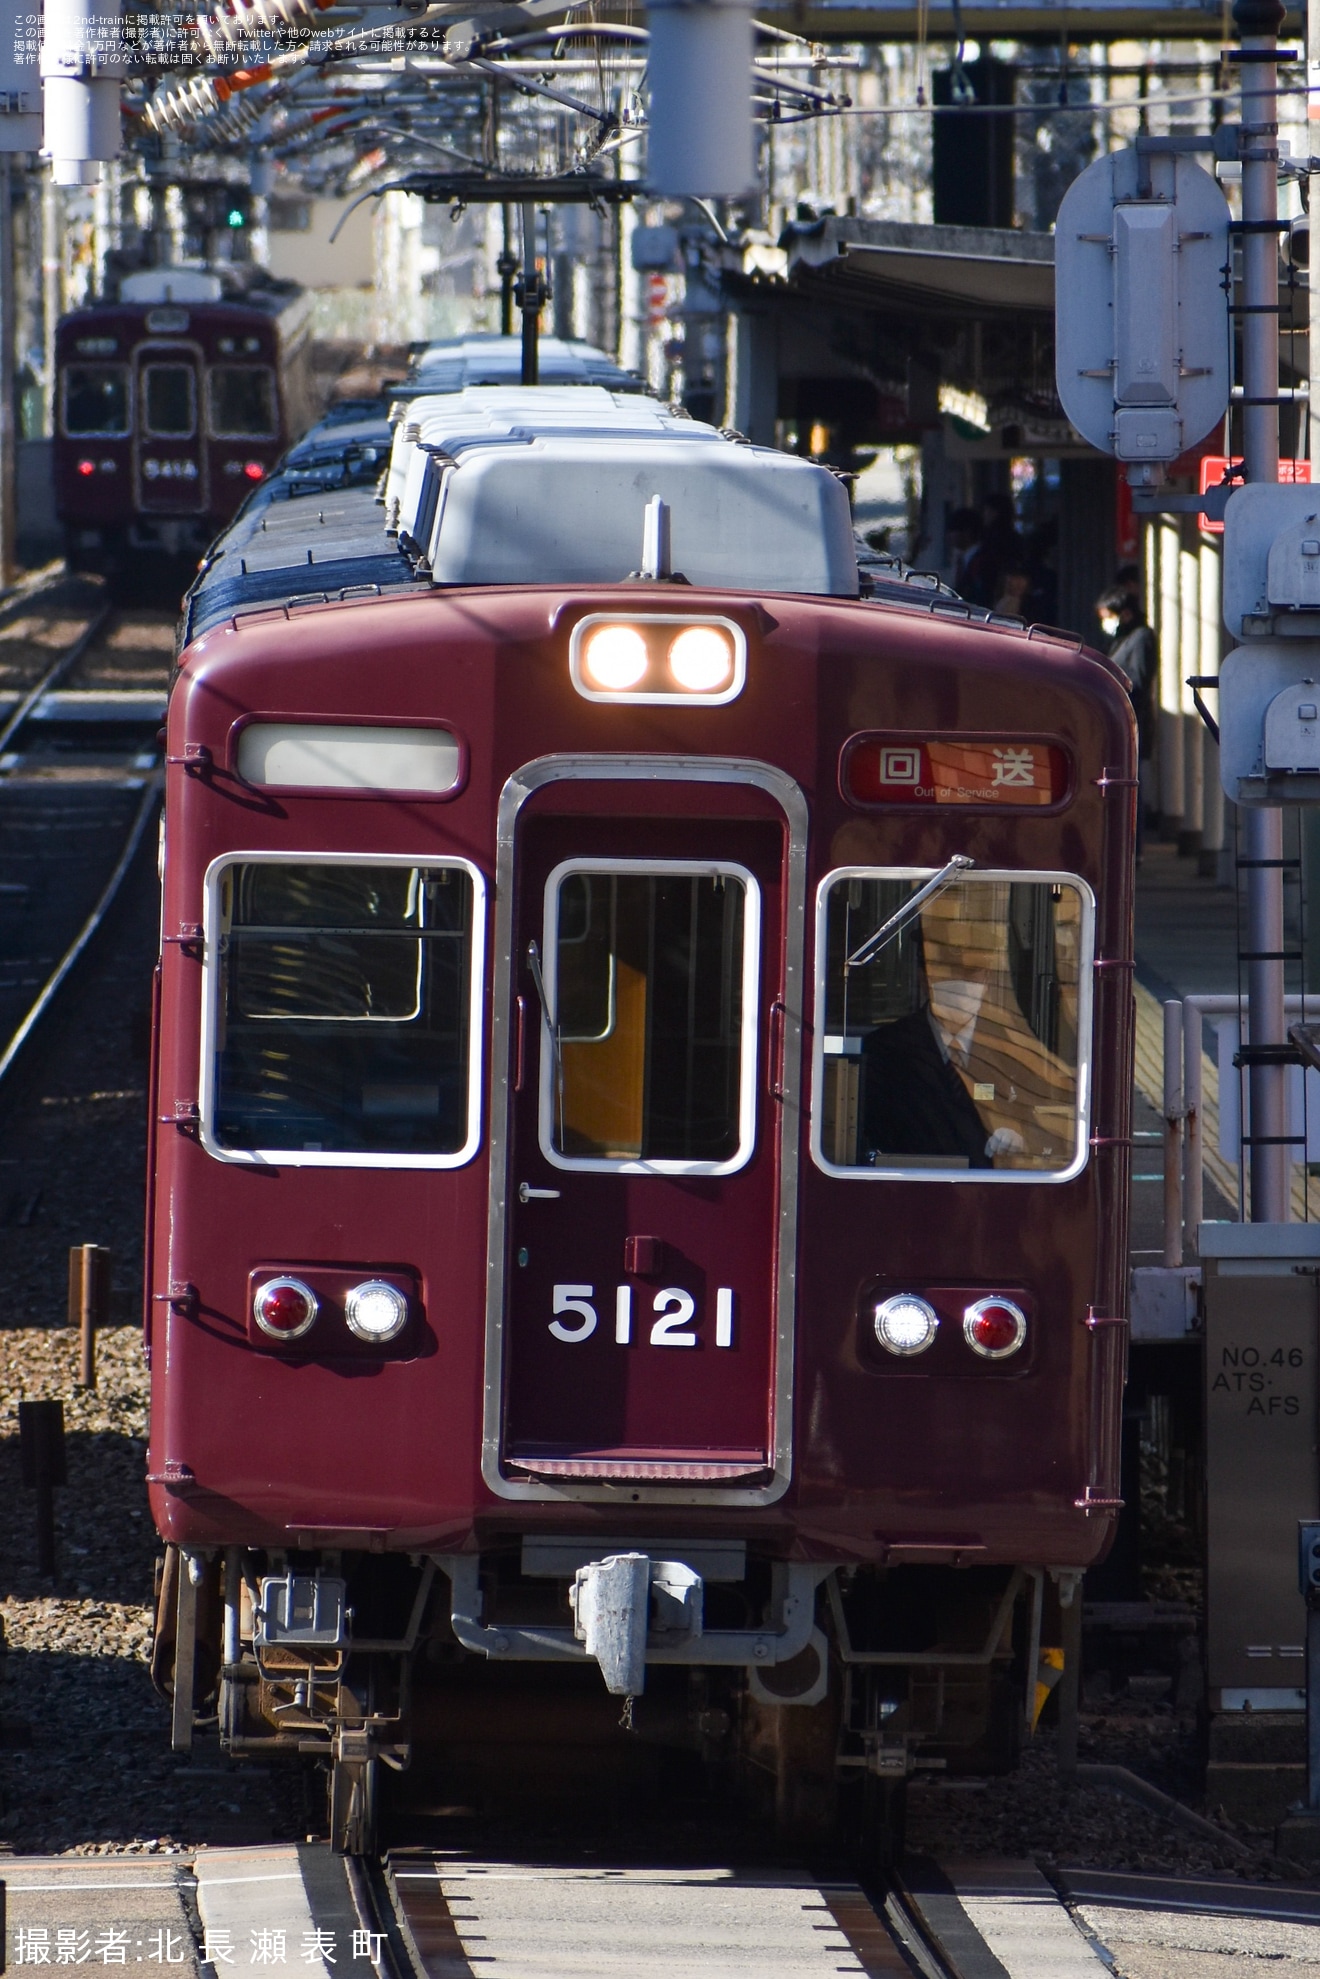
(1132, 647)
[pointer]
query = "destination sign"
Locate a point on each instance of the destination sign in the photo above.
(991, 772)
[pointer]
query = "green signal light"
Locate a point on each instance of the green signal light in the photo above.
(236, 217)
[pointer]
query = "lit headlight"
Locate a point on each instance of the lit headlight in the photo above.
(905, 1324)
(658, 659)
(284, 1308)
(701, 659)
(614, 657)
(376, 1311)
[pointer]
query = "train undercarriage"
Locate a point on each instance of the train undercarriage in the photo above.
(809, 1694)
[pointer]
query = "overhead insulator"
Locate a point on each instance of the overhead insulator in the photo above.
(240, 79)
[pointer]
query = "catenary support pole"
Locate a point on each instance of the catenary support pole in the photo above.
(507, 268)
(530, 298)
(52, 262)
(1258, 23)
(8, 436)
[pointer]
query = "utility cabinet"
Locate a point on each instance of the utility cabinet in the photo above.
(1262, 1321)
(1261, 1291)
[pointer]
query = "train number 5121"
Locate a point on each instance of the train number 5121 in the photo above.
(675, 1324)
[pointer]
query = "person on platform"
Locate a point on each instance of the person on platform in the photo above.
(1132, 647)
(999, 547)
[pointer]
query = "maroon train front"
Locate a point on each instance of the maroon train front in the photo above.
(173, 401)
(640, 1148)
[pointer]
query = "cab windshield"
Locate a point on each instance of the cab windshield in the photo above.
(959, 1044)
(341, 1005)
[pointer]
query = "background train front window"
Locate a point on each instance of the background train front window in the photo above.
(241, 401)
(344, 1008)
(956, 1046)
(96, 401)
(170, 410)
(647, 993)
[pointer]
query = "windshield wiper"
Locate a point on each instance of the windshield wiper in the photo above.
(896, 923)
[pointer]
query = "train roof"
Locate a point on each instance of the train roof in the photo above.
(455, 363)
(206, 292)
(548, 484)
(542, 485)
(447, 424)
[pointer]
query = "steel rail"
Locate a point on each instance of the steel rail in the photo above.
(378, 1904)
(54, 674)
(904, 1923)
(50, 989)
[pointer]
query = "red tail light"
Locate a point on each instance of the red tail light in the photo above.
(86, 467)
(284, 1307)
(254, 470)
(994, 1328)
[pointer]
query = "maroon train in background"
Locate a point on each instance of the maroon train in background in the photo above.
(173, 401)
(640, 1141)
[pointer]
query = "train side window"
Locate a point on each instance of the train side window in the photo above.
(240, 402)
(340, 1006)
(170, 401)
(96, 401)
(649, 1031)
(959, 1049)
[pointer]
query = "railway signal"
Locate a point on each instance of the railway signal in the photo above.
(1142, 349)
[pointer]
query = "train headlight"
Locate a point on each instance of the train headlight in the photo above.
(701, 659)
(994, 1328)
(658, 659)
(376, 1311)
(284, 1307)
(614, 657)
(905, 1324)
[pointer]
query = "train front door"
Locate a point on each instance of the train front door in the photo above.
(169, 463)
(645, 1329)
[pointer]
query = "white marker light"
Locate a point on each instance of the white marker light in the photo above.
(376, 1311)
(905, 1324)
(614, 657)
(701, 659)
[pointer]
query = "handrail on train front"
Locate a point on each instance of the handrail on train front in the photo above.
(1184, 1114)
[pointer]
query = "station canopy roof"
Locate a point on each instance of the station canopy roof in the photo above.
(926, 269)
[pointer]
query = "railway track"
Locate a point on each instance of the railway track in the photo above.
(79, 789)
(451, 1915)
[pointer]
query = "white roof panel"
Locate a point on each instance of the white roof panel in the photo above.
(569, 510)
